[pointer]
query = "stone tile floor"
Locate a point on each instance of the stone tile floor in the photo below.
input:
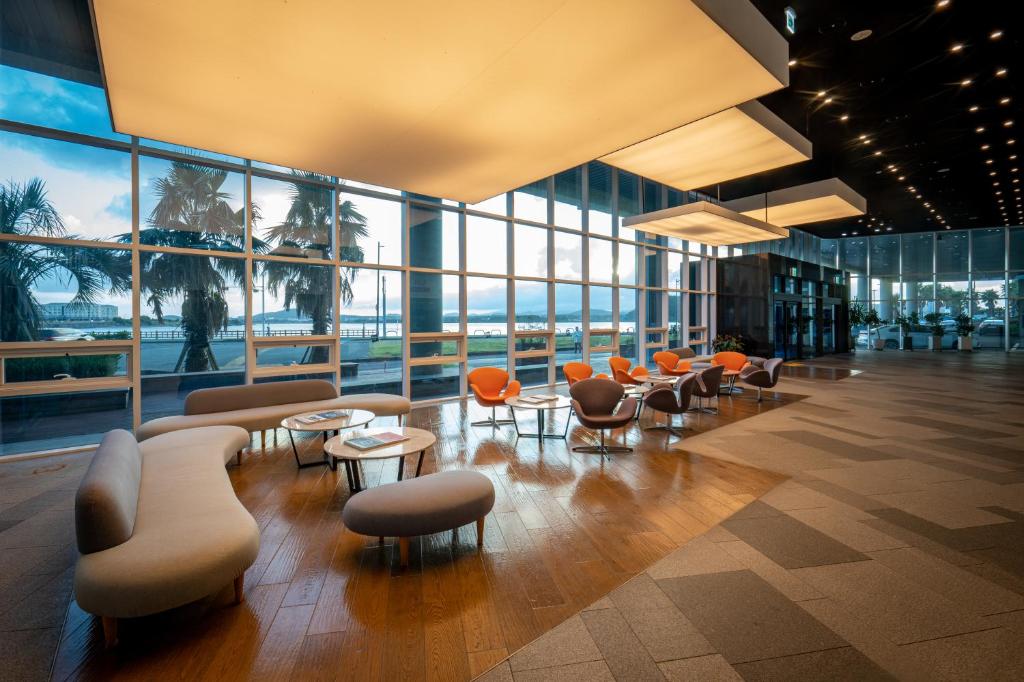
(895, 550)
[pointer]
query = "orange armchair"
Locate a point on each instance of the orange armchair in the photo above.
(490, 386)
(669, 364)
(730, 359)
(623, 374)
(578, 371)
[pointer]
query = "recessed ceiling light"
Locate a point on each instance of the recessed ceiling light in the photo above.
(995, 35)
(844, 117)
(901, 178)
(792, 62)
(942, 4)
(867, 141)
(992, 173)
(972, 108)
(1001, 72)
(1011, 157)
(984, 147)
(979, 129)
(828, 100)
(861, 35)
(989, 161)
(888, 229)
(1010, 141)
(956, 47)
(821, 93)
(1005, 100)
(965, 82)
(844, 234)
(878, 153)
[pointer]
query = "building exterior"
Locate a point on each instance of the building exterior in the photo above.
(78, 311)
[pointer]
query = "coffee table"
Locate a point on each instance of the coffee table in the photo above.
(349, 419)
(419, 441)
(560, 402)
(730, 376)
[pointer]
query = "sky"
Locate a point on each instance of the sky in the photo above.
(91, 189)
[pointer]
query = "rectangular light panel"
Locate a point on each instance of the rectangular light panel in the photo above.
(814, 202)
(708, 223)
(461, 99)
(730, 144)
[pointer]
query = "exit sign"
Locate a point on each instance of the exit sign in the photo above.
(791, 20)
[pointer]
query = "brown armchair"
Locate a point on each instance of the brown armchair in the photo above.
(596, 404)
(707, 385)
(762, 378)
(665, 399)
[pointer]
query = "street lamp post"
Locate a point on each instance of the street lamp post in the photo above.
(376, 327)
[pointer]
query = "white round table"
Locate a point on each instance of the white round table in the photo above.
(346, 419)
(418, 442)
(559, 402)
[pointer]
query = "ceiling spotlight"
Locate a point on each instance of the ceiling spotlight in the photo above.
(917, 196)
(792, 62)
(861, 35)
(992, 173)
(965, 82)
(901, 178)
(989, 161)
(984, 147)
(911, 189)
(1012, 157)
(1001, 72)
(1010, 141)
(979, 129)
(1013, 170)
(844, 234)
(878, 153)
(877, 230)
(942, 4)
(828, 100)
(862, 137)
(888, 229)
(926, 204)
(867, 141)
(972, 108)
(998, 192)
(844, 117)
(995, 35)
(821, 93)
(956, 47)
(1005, 100)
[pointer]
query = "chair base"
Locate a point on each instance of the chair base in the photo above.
(602, 449)
(493, 420)
(671, 429)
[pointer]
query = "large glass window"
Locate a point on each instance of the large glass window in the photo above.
(486, 245)
(627, 264)
(629, 202)
(989, 250)
(951, 252)
(853, 255)
(30, 97)
(568, 256)
(917, 253)
(433, 238)
(371, 330)
(487, 321)
(531, 202)
(885, 256)
(294, 299)
(293, 218)
(370, 229)
(531, 305)
(569, 198)
(601, 263)
(599, 198)
(568, 325)
(628, 325)
(531, 251)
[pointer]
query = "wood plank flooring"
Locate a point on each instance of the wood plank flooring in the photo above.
(325, 603)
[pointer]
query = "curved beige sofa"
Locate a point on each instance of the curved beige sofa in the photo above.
(257, 407)
(158, 524)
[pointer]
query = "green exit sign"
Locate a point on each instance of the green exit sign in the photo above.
(791, 20)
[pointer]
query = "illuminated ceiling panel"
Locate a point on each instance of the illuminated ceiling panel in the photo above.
(814, 202)
(461, 99)
(708, 223)
(730, 144)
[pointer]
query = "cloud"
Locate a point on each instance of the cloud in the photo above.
(121, 206)
(54, 103)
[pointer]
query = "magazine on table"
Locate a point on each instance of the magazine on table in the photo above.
(536, 399)
(375, 441)
(323, 416)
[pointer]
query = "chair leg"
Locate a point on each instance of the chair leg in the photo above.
(238, 458)
(240, 589)
(493, 421)
(602, 449)
(109, 631)
(403, 551)
(758, 394)
(480, 531)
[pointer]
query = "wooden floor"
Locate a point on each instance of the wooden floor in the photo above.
(324, 603)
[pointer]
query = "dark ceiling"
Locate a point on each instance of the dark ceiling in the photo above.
(902, 87)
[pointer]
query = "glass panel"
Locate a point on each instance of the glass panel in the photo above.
(885, 257)
(533, 371)
(568, 256)
(1016, 248)
(989, 252)
(370, 229)
(629, 202)
(675, 315)
(654, 313)
(487, 321)
(601, 307)
(292, 299)
(599, 191)
(531, 343)
(531, 257)
(953, 298)
(531, 305)
(917, 253)
(696, 265)
(64, 189)
(434, 238)
(486, 245)
(853, 255)
(371, 330)
(196, 332)
(65, 366)
(295, 354)
(64, 293)
(601, 264)
(427, 382)
(627, 323)
(569, 324)
(30, 97)
(569, 198)
(531, 202)
(145, 144)
(190, 205)
(49, 422)
(434, 303)
(497, 205)
(951, 252)
(293, 218)
(627, 264)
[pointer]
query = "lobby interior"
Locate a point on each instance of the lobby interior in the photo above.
(606, 341)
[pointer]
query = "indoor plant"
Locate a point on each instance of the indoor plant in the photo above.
(906, 324)
(872, 319)
(856, 319)
(934, 322)
(964, 329)
(727, 342)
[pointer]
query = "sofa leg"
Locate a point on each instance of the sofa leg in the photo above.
(109, 631)
(240, 589)
(238, 458)
(480, 531)
(403, 551)
(263, 440)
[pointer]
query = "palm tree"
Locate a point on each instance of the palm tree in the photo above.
(307, 227)
(193, 212)
(25, 210)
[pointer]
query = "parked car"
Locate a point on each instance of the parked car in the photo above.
(990, 334)
(64, 334)
(891, 335)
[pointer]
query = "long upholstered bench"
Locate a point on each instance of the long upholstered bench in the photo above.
(158, 524)
(258, 407)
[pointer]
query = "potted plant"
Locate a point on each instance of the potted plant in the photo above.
(934, 322)
(872, 319)
(906, 324)
(855, 314)
(964, 329)
(727, 342)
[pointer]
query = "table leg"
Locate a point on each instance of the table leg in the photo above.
(401, 467)
(355, 477)
(419, 464)
(348, 473)
(540, 426)
(515, 423)
(295, 450)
